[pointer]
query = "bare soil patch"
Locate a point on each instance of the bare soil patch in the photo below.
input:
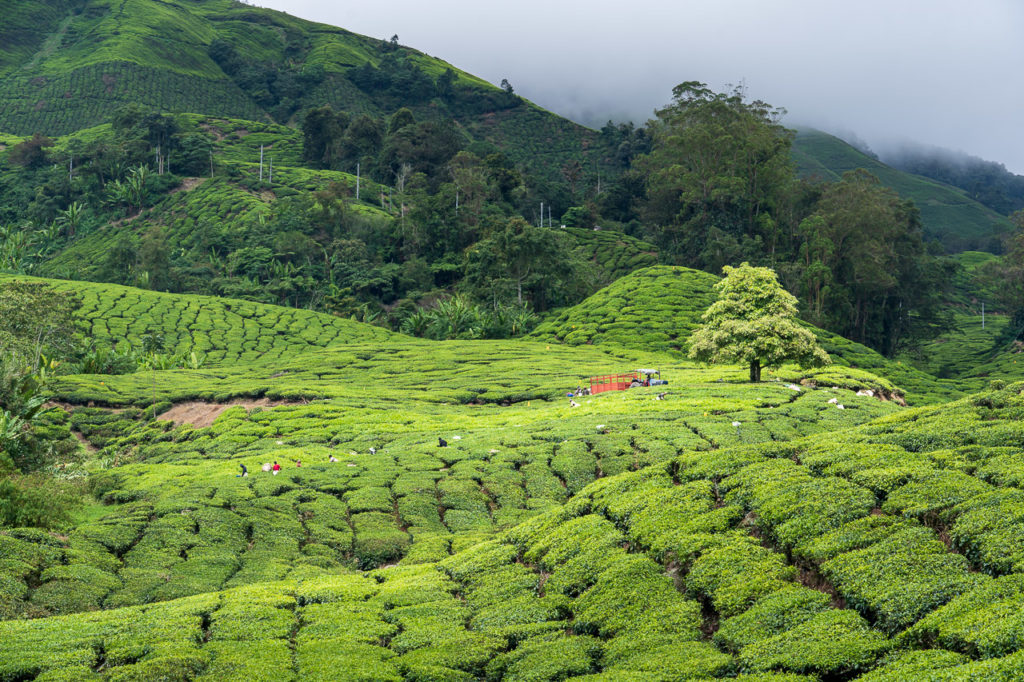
(188, 184)
(200, 415)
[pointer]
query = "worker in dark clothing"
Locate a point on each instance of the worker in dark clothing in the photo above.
(245, 472)
(441, 442)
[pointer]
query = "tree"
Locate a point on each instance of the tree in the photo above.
(35, 319)
(754, 322)
(322, 130)
(30, 153)
(531, 262)
(1004, 277)
(866, 272)
(70, 219)
(719, 167)
(153, 259)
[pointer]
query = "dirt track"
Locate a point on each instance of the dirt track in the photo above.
(200, 415)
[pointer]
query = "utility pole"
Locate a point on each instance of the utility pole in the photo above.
(542, 214)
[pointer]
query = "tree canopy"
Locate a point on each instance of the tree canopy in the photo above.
(754, 322)
(719, 170)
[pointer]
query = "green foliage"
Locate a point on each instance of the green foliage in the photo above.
(953, 216)
(718, 170)
(35, 501)
(832, 642)
(753, 322)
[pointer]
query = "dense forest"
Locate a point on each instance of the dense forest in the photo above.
(708, 182)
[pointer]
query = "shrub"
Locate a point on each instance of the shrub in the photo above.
(901, 578)
(831, 643)
(771, 615)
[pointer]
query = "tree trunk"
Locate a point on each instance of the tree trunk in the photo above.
(755, 370)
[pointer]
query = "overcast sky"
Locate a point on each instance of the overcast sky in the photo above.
(939, 72)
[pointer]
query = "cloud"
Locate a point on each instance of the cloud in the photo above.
(936, 71)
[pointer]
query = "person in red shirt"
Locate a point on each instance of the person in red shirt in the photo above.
(275, 468)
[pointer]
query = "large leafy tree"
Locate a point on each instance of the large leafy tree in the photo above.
(754, 322)
(717, 176)
(36, 325)
(524, 263)
(35, 319)
(865, 269)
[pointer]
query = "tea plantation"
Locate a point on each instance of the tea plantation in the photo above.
(782, 531)
(658, 307)
(220, 331)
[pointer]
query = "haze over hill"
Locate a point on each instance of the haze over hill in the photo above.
(933, 72)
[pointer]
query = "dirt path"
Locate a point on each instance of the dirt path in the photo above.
(89, 447)
(200, 415)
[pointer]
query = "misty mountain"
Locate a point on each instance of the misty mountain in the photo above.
(948, 212)
(987, 182)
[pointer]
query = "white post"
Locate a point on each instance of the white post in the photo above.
(261, 163)
(982, 314)
(357, 181)
(542, 214)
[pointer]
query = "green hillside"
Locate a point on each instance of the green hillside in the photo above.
(948, 214)
(222, 331)
(261, 479)
(625, 539)
(974, 350)
(69, 64)
(658, 307)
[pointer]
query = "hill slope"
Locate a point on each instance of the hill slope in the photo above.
(70, 64)
(948, 214)
(657, 308)
(223, 331)
(878, 552)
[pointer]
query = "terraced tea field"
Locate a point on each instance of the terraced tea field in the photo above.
(657, 308)
(222, 331)
(659, 544)
(773, 531)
